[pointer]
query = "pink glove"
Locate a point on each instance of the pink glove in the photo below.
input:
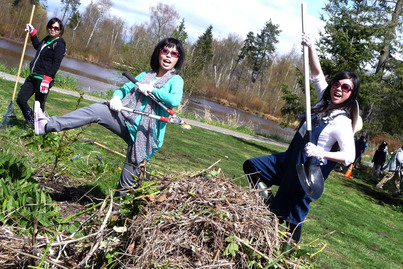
(314, 151)
(45, 84)
(32, 31)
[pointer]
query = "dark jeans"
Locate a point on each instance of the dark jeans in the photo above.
(30, 87)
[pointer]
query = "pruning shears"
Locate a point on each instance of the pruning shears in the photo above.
(174, 118)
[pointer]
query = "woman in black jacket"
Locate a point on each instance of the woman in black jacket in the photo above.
(379, 159)
(49, 55)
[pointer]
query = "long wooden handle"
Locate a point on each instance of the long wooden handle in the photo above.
(23, 52)
(306, 74)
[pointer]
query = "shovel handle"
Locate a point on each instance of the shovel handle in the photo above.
(306, 73)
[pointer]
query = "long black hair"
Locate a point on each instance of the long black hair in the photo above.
(52, 21)
(347, 105)
(169, 42)
(383, 145)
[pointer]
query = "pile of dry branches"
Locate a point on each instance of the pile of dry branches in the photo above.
(200, 222)
(193, 222)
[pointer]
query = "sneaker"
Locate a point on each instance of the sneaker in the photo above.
(40, 119)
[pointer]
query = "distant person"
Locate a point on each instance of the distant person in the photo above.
(395, 171)
(360, 146)
(333, 122)
(379, 159)
(143, 135)
(49, 55)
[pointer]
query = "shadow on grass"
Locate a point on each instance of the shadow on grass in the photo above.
(269, 150)
(363, 181)
(8, 122)
(82, 194)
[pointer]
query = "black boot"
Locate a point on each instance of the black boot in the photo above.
(29, 117)
(295, 231)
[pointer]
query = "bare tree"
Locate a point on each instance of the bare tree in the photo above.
(113, 29)
(69, 5)
(163, 20)
(94, 13)
(224, 57)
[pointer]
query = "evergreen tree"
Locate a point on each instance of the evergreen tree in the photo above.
(264, 47)
(238, 69)
(361, 36)
(201, 55)
(258, 50)
(247, 47)
(203, 50)
(180, 33)
(74, 20)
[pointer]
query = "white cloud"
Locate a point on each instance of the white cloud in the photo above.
(227, 16)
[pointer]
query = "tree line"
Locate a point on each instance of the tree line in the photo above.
(360, 36)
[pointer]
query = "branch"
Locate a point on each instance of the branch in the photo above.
(32, 256)
(100, 233)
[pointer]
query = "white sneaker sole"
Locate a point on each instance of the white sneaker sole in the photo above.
(36, 117)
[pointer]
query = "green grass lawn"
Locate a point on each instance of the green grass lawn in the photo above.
(368, 223)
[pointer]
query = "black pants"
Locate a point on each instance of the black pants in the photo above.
(30, 87)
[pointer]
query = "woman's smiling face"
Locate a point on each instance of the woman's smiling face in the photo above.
(341, 91)
(54, 30)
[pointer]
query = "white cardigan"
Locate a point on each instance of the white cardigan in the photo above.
(338, 130)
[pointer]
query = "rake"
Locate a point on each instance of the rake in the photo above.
(10, 115)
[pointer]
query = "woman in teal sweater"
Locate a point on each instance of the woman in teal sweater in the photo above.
(143, 135)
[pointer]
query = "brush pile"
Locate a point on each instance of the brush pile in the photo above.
(185, 222)
(202, 222)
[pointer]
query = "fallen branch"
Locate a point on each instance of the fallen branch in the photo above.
(100, 233)
(323, 236)
(320, 250)
(32, 256)
(204, 170)
(71, 241)
(251, 248)
(92, 141)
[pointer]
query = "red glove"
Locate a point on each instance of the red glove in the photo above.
(32, 31)
(45, 84)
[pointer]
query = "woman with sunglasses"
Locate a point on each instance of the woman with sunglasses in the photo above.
(143, 135)
(49, 55)
(334, 120)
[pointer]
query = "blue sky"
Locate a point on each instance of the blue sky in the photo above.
(226, 16)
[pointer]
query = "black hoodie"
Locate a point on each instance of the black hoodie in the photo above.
(48, 57)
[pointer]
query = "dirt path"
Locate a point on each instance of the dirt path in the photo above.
(191, 122)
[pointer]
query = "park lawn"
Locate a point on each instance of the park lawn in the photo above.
(367, 222)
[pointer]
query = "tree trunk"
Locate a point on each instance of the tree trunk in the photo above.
(92, 33)
(389, 37)
(74, 31)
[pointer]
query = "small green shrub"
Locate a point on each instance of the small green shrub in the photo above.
(22, 201)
